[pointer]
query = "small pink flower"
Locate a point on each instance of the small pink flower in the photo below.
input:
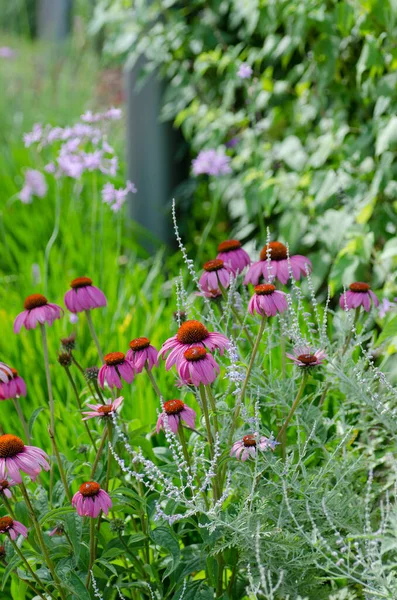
(174, 412)
(197, 366)
(248, 446)
(277, 266)
(5, 372)
(215, 273)
(245, 71)
(5, 485)
(142, 353)
(191, 333)
(14, 387)
(58, 530)
(91, 499)
(267, 301)
(233, 255)
(103, 410)
(358, 294)
(304, 358)
(116, 367)
(84, 296)
(13, 528)
(37, 310)
(16, 457)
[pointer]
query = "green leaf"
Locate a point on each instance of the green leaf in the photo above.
(33, 418)
(389, 331)
(56, 513)
(164, 537)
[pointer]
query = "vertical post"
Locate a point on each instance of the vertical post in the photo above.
(54, 19)
(151, 158)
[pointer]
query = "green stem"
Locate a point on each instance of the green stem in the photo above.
(76, 393)
(209, 434)
(94, 335)
(99, 393)
(236, 314)
(60, 466)
(154, 384)
(29, 568)
(210, 395)
(21, 418)
(53, 238)
(109, 462)
(41, 541)
(349, 337)
(182, 439)
(294, 406)
(99, 452)
(8, 505)
(92, 551)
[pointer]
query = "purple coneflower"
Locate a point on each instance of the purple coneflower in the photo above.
(103, 410)
(116, 367)
(37, 310)
(83, 296)
(13, 528)
(142, 353)
(358, 294)
(267, 301)
(5, 372)
(304, 358)
(13, 388)
(16, 457)
(91, 499)
(233, 255)
(174, 412)
(277, 265)
(248, 446)
(191, 333)
(197, 366)
(215, 273)
(5, 485)
(245, 71)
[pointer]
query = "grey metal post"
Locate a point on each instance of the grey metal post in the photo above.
(151, 158)
(54, 19)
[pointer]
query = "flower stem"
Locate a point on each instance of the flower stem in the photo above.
(76, 393)
(236, 314)
(53, 237)
(41, 541)
(154, 384)
(210, 395)
(29, 568)
(92, 550)
(349, 337)
(94, 335)
(210, 438)
(22, 418)
(99, 452)
(247, 376)
(182, 439)
(99, 393)
(7, 505)
(60, 466)
(109, 462)
(293, 407)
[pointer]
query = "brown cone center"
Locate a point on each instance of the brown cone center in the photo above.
(213, 265)
(277, 251)
(139, 344)
(35, 301)
(195, 353)
(229, 246)
(249, 440)
(359, 287)
(114, 358)
(10, 445)
(265, 289)
(192, 332)
(80, 282)
(307, 359)
(5, 524)
(105, 410)
(173, 407)
(89, 489)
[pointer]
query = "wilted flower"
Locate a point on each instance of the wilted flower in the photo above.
(303, 357)
(116, 367)
(197, 366)
(174, 412)
(103, 410)
(35, 185)
(91, 373)
(142, 353)
(358, 294)
(267, 301)
(83, 296)
(245, 71)
(13, 388)
(180, 315)
(65, 359)
(191, 333)
(215, 273)
(233, 255)
(58, 530)
(16, 457)
(37, 310)
(276, 266)
(211, 162)
(91, 499)
(12, 528)
(69, 343)
(248, 446)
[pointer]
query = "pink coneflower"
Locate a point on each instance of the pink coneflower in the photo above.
(248, 446)
(91, 499)
(14, 387)
(103, 411)
(197, 366)
(233, 255)
(267, 301)
(358, 294)
(83, 295)
(277, 266)
(116, 367)
(304, 358)
(5, 372)
(174, 412)
(191, 333)
(13, 528)
(16, 457)
(142, 353)
(5, 485)
(37, 310)
(215, 273)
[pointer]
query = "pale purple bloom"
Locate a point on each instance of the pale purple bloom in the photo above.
(232, 142)
(84, 296)
(267, 301)
(91, 499)
(116, 367)
(16, 457)
(13, 528)
(90, 117)
(103, 410)
(304, 357)
(13, 388)
(197, 366)
(245, 71)
(35, 185)
(215, 273)
(278, 265)
(37, 310)
(117, 197)
(248, 446)
(174, 412)
(233, 255)
(33, 136)
(358, 294)
(7, 52)
(73, 318)
(211, 162)
(113, 114)
(141, 354)
(191, 333)
(386, 306)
